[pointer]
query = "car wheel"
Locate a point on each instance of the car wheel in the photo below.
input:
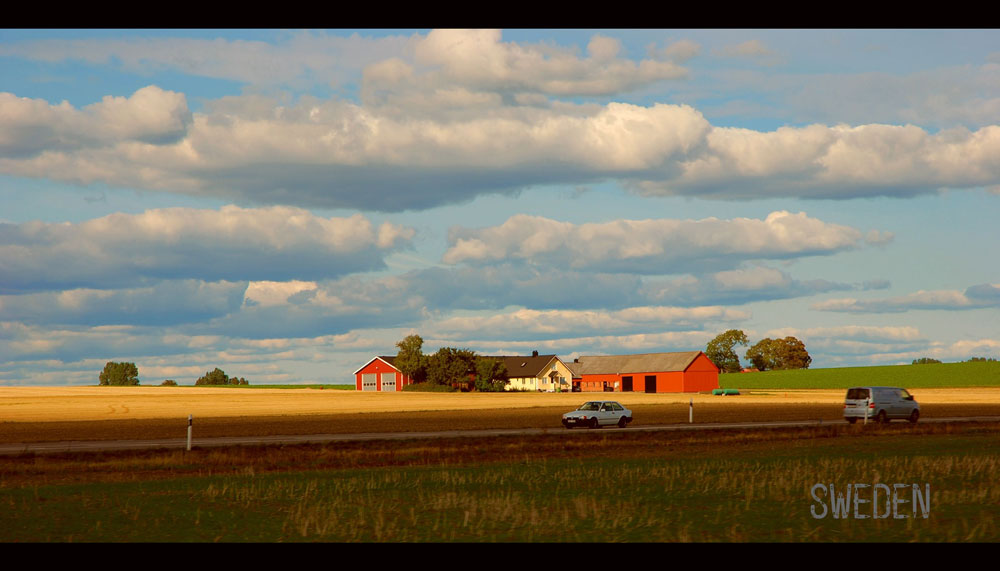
(622, 422)
(852, 420)
(881, 418)
(594, 423)
(914, 416)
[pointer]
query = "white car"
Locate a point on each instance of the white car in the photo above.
(595, 414)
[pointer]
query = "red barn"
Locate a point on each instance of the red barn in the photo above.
(686, 372)
(380, 374)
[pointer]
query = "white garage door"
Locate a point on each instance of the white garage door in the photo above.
(369, 382)
(388, 382)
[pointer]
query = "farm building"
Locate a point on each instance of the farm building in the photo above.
(536, 373)
(380, 374)
(685, 372)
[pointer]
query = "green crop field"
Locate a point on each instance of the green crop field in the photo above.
(718, 486)
(939, 375)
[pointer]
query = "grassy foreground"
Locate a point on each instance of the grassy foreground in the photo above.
(939, 375)
(586, 486)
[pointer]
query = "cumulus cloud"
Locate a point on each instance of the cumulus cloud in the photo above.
(479, 58)
(570, 347)
(335, 153)
(523, 323)
(150, 115)
(662, 246)
(165, 303)
(835, 162)
(232, 243)
(738, 286)
(974, 297)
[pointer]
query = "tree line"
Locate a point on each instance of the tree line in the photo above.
(127, 375)
(765, 355)
(450, 366)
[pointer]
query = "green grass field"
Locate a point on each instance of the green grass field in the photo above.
(940, 375)
(718, 486)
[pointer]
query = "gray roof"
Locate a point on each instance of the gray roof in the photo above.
(526, 366)
(641, 363)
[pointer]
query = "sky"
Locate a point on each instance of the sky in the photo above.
(286, 204)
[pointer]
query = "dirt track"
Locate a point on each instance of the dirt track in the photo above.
(105, 413)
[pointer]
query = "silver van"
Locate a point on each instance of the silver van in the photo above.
(881, 404)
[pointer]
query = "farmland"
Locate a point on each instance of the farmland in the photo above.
(112, 413)
(610, 486)
(607, 485)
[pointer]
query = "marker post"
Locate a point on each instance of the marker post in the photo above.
(190, 422)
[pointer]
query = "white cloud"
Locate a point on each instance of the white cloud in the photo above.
(151, 115)
(523, 322)
(479, 59)
(167, 302)
(974, 297)
(661, 246)
(338, 154)
(232, 243)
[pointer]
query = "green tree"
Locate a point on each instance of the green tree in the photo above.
(119, 374)
(720, 350)
(925, 361)
(777, 354)
(450, 365)
(491, 374)
(169, 383)
(410, 360)
(219, 377)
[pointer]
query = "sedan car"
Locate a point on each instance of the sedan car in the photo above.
(595, 414)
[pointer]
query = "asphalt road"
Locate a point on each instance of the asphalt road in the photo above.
(181, 443)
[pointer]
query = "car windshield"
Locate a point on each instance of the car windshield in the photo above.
(590, 406)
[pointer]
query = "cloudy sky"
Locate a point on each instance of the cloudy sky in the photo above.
(286, 204)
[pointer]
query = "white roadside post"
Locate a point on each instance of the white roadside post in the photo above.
(868, 403)
(691, 411)
(190, 420)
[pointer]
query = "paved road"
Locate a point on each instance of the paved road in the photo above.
(108, 445)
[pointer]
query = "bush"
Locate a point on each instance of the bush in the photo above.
(169, 383)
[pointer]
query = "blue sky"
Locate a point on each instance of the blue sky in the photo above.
(285, 204)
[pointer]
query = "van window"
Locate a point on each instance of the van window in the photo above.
(857, 394)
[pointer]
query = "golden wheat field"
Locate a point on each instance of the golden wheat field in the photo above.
(48, 404)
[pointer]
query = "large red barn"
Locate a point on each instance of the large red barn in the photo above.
(685, 372)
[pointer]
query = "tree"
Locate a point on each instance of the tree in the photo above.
(169, 383)
(450, 365)
(219, 377)
(119, 374)
(925, 361)
(777, 354)
(410, 360)
(720, 350)
(491, 374)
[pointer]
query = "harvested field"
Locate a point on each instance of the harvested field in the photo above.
(112, 413)
(45, 404)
